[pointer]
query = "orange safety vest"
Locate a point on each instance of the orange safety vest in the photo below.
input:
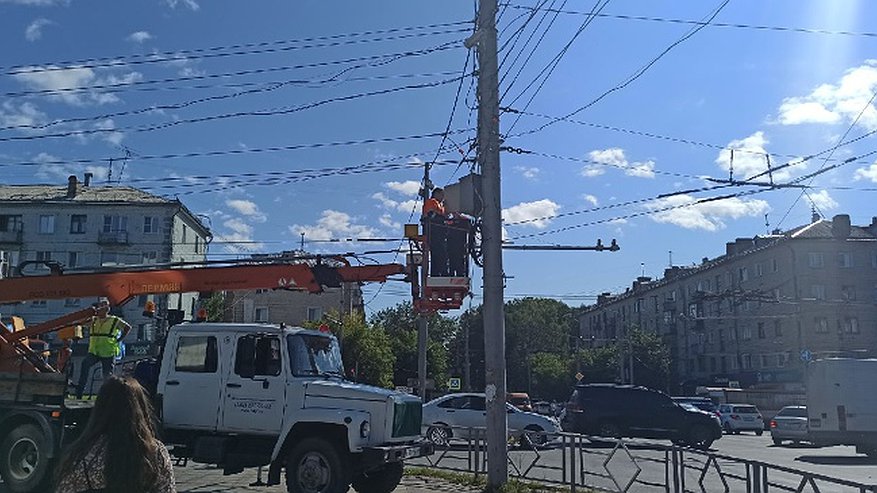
(433, 205)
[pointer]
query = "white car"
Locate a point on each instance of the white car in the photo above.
(741, 417)
(463, 415)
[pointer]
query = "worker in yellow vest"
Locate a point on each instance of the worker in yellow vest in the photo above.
(105, 335)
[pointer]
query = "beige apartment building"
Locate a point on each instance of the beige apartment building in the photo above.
(756, 314)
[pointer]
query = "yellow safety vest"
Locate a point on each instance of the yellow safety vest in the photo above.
(103, 337)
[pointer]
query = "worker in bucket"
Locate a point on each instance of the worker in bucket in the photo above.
(434, 218)
(104, 344)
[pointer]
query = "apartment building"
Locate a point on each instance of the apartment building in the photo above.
(756, 314)
(291, 307)
(84, 226)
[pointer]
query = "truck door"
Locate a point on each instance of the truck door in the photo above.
(255, 389)
(191, 388)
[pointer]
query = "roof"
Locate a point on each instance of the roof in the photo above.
(255, 328)
(84, 195)
(822, 229)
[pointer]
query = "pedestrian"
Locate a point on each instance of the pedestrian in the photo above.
(104, 344)
(118, 450)
(433, 218)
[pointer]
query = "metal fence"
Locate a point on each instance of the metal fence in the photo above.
(580, 462)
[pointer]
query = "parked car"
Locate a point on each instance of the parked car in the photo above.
(790, 424)
(702, 403)
(629, 411)
(454, 416)
(520, 400)
(741, 417)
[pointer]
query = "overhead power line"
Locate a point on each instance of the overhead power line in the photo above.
(233, 152)
(638, 73)
(231, 50)
(456, 44)
(756, 27)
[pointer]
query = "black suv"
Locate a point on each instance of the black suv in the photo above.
(628, 411)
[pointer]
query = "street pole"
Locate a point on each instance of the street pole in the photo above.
(494, 318)
(422, 339)
(467, 372)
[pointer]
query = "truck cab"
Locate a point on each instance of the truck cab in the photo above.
(247, 395)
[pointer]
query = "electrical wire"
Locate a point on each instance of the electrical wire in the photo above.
(532, 52)
(228, 50)
(237, 114)
(637, 74)
(715, 24)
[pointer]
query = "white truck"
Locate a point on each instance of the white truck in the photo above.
(250, 395)
(842, 403)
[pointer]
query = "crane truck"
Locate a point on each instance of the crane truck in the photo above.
(229, 394)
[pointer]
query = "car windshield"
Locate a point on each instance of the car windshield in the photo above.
(519, 401)
(315, 355)
(745, 410)
(794, 412)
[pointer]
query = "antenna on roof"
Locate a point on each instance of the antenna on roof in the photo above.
(766, 225)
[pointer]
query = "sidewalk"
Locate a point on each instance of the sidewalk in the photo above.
(200, 478)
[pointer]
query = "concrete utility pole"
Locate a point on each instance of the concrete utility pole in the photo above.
(494, 319)
(422, 340)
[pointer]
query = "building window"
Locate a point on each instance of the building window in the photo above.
(11, 223)
(185, 234)
(759, 270)
(71, 302)
(38, 304)
(44, 257)
(150, 257)
(774, 265)
(314, 313)
(848, 293)
(761, 332)
(72, 259)
(778, 328)
(815, 260)
(733, 365)
(765, 361)
(77, 224)
(718, 283)
(261, 291)
(197, 244)
(150, 225)
(115, 224)
(874, 260)
(845, 260)
(782, 360)
(851, 325)
(821, 325)
(817, 291)
(746, 361)
(671, 296)
(47, 224)
(109, 258)
(743, 274)
(747, 333)
(262, 314)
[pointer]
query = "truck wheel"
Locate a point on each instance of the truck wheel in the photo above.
(383, 480)
(23, 462)
(316, 466)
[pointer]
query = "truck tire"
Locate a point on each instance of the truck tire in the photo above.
(383, 480)
(23, 462)
(314, 465)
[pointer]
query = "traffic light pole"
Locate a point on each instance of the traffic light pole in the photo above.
(494, 319)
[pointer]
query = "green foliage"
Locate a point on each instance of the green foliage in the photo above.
(599, 364)
(651, 359)
(552, 375)
(215, 306)
(534, 325)
(366, 349)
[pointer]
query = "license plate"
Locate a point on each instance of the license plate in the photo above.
(411, 452)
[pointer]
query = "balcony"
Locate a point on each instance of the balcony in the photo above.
(113, 238)
(11, 237)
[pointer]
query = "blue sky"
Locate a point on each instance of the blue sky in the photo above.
(221, 103)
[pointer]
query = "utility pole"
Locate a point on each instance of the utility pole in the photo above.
(422, 340)
(494, 319)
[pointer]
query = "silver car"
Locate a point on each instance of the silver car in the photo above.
(457, 416)
(790, 424)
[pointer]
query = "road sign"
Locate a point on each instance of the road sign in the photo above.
(454, 383)
(579, 376)
(806, 355)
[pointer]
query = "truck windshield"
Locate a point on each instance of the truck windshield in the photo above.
(315, 355)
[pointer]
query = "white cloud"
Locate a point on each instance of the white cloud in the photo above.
(387, 221)
(239, 236)
(410, 187)
(333, 224)
(750, 159)
(529, 173)
(822, 200)
(536, 213)
(139, 37)
(615, 157)
(405, 206)
(24, 114)
(832, 103)
(54, 171)
(34, 30)
(591, 199)
(114, 138)
(36, 3)
(72, 83)
(869, 173)
(709, 216)
(247, 208)
(191, 4)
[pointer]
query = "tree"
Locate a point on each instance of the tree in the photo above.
(215, 306)
(551, 375)
(534, 325)
(366, 349)
(651, 359)
(598, 364)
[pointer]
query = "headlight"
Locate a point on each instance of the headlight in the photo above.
(365, 429)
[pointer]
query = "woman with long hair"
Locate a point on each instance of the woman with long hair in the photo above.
(118, 450)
